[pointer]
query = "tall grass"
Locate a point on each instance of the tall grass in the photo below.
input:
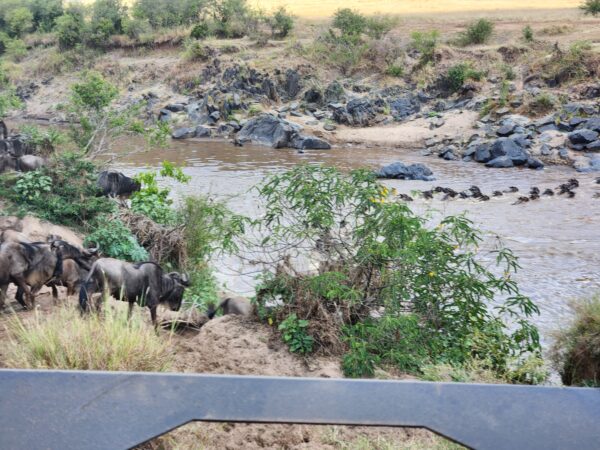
(66, 340)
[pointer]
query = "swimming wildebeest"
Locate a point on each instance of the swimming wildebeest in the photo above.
(144, 283)
(232, 305)
(117, 184)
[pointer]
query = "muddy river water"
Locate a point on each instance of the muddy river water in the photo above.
(557, 239)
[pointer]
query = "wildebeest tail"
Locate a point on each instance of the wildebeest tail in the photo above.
(85, 289)
(212, 311)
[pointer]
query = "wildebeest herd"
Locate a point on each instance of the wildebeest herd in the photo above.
(33, 265)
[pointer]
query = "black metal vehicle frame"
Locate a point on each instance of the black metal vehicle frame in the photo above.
(118, 410)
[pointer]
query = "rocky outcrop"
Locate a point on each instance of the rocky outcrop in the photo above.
(356, 113)
(401, 171)
(275, 132)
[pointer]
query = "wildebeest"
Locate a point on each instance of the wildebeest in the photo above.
(144, 283)
(74, 270)
(117, 184)
(29, 163)
(4, 129)
(232, 305)
(47, 266)
(7, 162)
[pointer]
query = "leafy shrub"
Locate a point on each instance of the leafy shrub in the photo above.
(378, 26)
(395, 71)
(197, 51)
(591, 7)
(295, 336)
(543, 103)
(16, 50)
(152, 200)
(578, 62)
(349, 22)
(115, 240)
(281, 23)
(576, 351)
(200, 31)
(459, 73)
(31, 186)
(388, 287)
(19, 21)
(66, 340)
(93, 92)
(70, 30)
(73, 198)
(136, 28)
(477, 32)
(45, 12)
(528, 34)
(425, 43)
(168, 13)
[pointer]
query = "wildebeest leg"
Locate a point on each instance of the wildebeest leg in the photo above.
(29, 298)
(153, 315)
(19, 298)
(54, 293)
(3, 290)
(130, 310)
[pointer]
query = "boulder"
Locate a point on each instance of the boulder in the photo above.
(482, 153)
(203, 132)
(507, 129)
(292, 85)
(582, 137)
(358, 112)
(175, 107)
(534, 163)
(313, 95)
(401, 171)
(403, 107)
(269, 130)
(334, 92)
(507, 147)
(184, 133)
(164, 115)
(309, 143)
(593, 124)
(594, 146)
(501, 162)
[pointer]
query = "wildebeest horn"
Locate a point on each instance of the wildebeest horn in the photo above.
(185, 279)
(92, 250)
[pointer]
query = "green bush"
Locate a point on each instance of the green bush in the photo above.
(576, 351)
(293, 331)
(477, 32)
(31, 186)
(425, 43)
(93, 92)
(349, 22)
(169, 13)
(73, 198)
(115, 240)
(378, 26)
(281, 23)
(528, 34)
(70, 30)
(200, 31)
(15, 49)
(388, 287)
(197, 51)
(19, 21)
(459, 73)
(45, 12)
(395, 71)
(136, 28)
(591, 7)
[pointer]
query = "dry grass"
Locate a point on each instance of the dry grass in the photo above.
(66, 340)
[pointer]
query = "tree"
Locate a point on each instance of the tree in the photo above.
(107, 19)
(19, 21)
(281, 23)
(45, 13)
(70, 29)
(169, 13)
(349, 22)
(591, 7)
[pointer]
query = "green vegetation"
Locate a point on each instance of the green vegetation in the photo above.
(389, 289)
(577, 63)
(67, 340)
(576, 352)
(293, 333)
(114, 239)
(282, 23)
(478, 32)
(591, 7)
(425, 43)
(459, 73)
(8, 99)
(528, 34)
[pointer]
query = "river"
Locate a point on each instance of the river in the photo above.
(557, 239)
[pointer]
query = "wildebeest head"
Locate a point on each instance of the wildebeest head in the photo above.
(84, 257)
(113, 184)
(173, 294)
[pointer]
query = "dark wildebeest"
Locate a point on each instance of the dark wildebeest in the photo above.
(48, 265)
(29, 163)
(4, 129)
(116, 184)
(74, 270)
(144, 283)
(232, 305)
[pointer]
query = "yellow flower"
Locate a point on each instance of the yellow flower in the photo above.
(270, 320)
(432, 274)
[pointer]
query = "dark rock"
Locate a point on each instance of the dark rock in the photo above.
(591, 92)
(592, 166)
(215, 115)
(576, 121)
(482, 153)
(521, 140)
(506, 129)
(549, 127)
(501, 162)
(292, 85)
(594, 146)
(310, 143)
(508, 147)
(203, 132)
(329, 127)
(582, 136)
(593, 124)
(295, 114)
(436, 122)
(401, 171)
(225, 130)
(175, 107)
(164, 115)
(358, 112)
(183, 133)
(313, 95)
(534, 163)
(266, 129)
(269, 89)
(448, 153)
(563, 153)
(403, 107)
